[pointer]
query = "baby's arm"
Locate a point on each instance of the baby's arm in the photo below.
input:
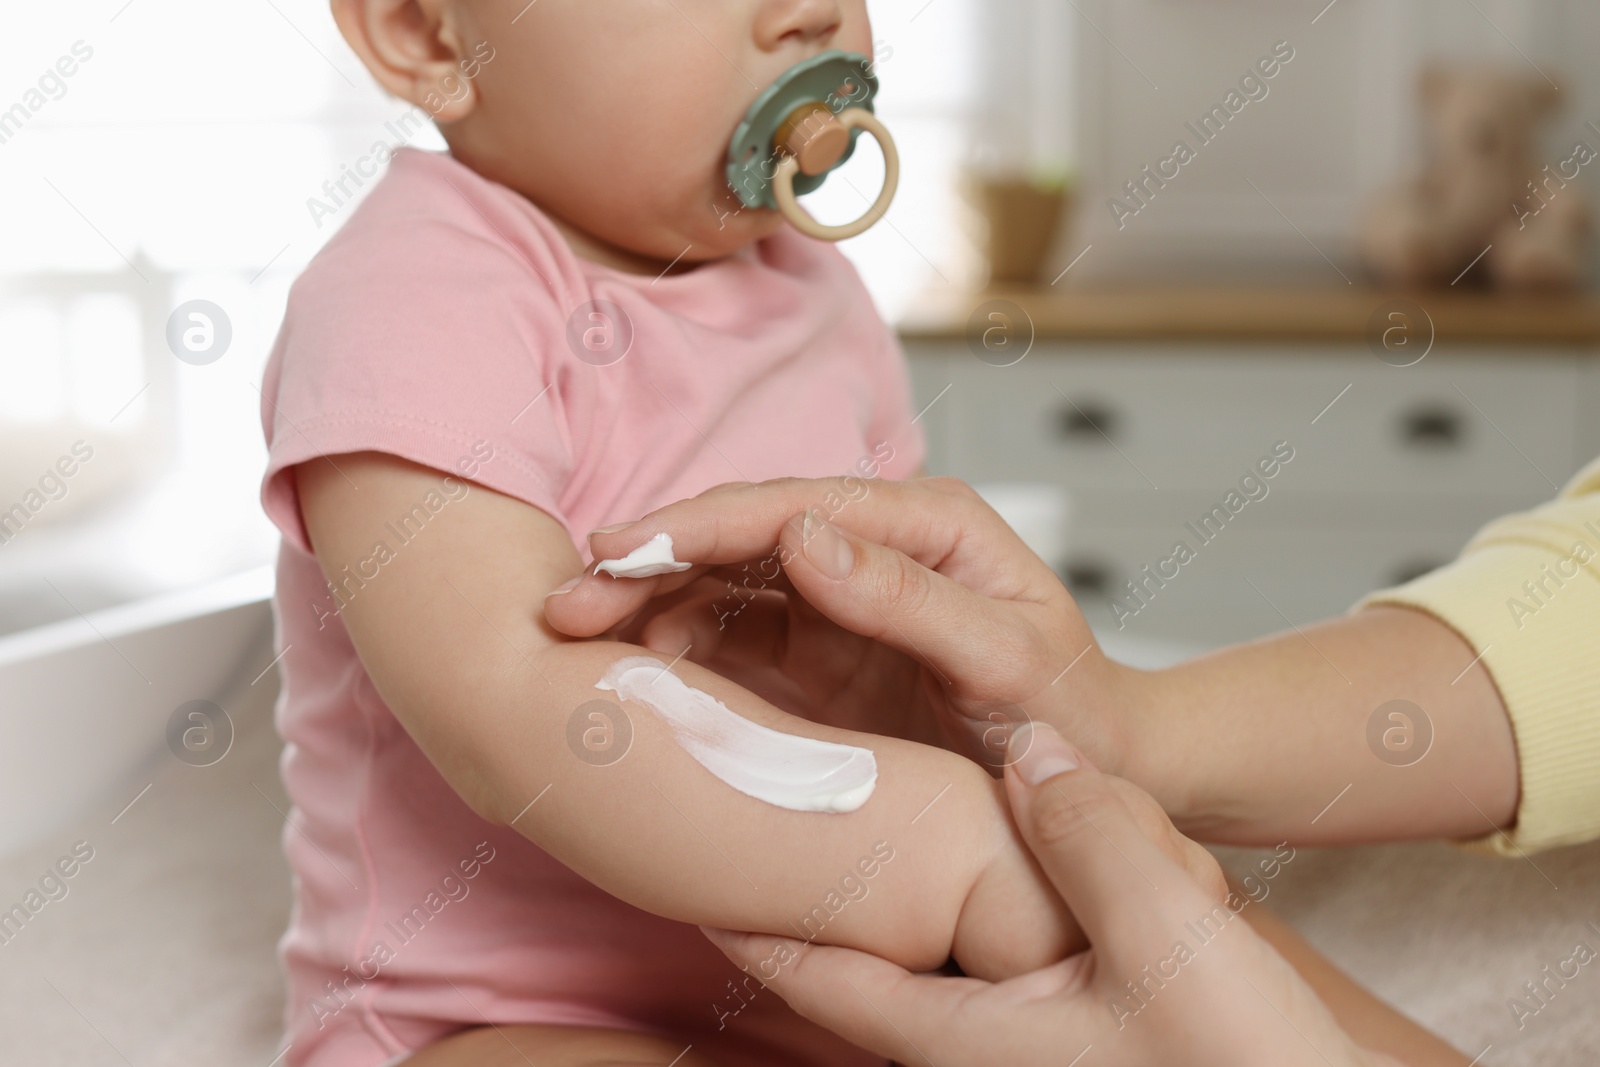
(452, 633)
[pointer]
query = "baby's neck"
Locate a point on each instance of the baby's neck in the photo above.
(462, 146)
(586, 246)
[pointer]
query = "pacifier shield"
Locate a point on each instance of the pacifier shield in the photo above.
(835, 80)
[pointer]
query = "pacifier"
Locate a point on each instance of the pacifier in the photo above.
(800, 128)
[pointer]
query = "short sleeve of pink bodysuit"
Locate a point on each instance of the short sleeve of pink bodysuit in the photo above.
(446, 362)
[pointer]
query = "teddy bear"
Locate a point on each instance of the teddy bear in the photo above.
(1483, 196)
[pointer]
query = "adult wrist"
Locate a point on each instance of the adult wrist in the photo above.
(1154, 752)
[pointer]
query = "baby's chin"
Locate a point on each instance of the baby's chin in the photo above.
(656, 227)
(704, 242)
(736, 232)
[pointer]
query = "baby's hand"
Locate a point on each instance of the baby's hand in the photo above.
(1014, 921)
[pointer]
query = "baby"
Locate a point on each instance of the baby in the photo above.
(501, 840)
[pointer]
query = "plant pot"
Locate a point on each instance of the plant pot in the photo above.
(1017, 223)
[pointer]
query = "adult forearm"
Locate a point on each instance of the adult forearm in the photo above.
(1378, 726)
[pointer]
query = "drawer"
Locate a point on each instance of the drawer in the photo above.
(1153, 419)
(1299, 574)
(1588, 410)
(1273, 506)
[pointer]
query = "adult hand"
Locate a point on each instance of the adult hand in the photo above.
(1171, 977)
(916, 604)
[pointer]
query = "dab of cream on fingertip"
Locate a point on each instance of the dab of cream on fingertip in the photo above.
(787, 771)
(648, 560)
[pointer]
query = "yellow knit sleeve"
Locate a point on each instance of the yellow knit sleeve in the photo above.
(1526, 594)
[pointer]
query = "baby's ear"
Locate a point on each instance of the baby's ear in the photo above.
(413, 49)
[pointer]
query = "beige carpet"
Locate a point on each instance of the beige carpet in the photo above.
(161, 954)
(1450, 937)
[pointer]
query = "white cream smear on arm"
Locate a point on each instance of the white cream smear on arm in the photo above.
(798, 773)
(648, 560)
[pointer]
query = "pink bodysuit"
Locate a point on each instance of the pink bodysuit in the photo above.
(449, 323)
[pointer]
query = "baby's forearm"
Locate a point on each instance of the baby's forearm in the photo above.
(1294, 737)
(658, 830)
(453, 639)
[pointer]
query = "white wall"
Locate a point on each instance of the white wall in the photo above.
(1338, 120)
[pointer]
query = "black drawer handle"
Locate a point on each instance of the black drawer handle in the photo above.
(1086, 420)
(1432, 428)
(1087, 577)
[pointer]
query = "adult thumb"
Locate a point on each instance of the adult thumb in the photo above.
(882, 593)
(1127, 892)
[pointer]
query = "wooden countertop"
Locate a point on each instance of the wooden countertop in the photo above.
(1191, 313)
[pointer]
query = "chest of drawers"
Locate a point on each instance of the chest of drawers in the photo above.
(1160, 437)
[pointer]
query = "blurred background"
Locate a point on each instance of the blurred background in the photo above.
(180, 159)
(1143, 250)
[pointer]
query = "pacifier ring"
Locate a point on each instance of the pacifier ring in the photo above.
(801, 128)
(789, 167)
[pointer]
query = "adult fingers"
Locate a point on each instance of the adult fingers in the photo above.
(856, 995)
(879, 592)
(593, 604)
(1130, 895)
(940, 522)
(753, 632)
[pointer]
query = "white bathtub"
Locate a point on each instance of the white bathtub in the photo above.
(84, 703)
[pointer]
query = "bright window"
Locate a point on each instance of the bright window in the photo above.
(155, 152)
